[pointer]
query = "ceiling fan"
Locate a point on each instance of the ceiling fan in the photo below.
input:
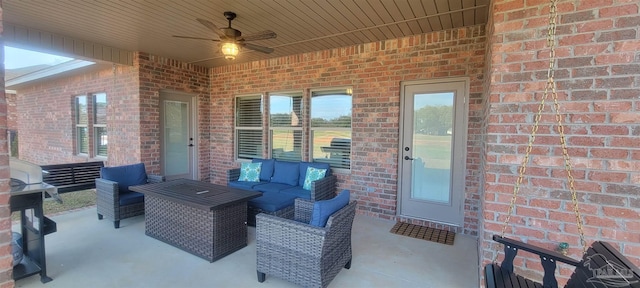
(232, 39)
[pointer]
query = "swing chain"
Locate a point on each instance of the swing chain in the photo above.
(550, 85)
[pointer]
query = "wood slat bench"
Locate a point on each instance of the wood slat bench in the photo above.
(72, 176)
(601, 266)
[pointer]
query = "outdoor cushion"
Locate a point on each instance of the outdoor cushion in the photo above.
(324, 208)
(313, 174)
(244, 184)
(272, 201)
(250, 172)
(305, 165)
(266, 171)
(298, 192)
(271, 187)
(127, 175)
(286, 173)
(129, 198)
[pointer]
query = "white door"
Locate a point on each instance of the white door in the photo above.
(177, 130)
(433, 150)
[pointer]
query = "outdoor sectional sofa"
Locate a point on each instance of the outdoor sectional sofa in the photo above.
(281, 182)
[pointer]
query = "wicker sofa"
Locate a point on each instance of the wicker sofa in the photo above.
(278, 194)
(114, 200)
(301, 253)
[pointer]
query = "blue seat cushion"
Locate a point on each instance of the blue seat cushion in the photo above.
(266, 170)
(272, 201)
(126, 175)
(305, 165)
(128, 198)
(286, 173)
(272, 187)
(244, 184)
(323, 209)
(297, 191)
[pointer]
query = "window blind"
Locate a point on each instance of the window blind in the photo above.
(331, 113)
(249, 127)
(285, 122)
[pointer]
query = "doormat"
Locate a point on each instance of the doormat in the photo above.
(425, 233)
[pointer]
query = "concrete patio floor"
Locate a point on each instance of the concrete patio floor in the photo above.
(85, 252)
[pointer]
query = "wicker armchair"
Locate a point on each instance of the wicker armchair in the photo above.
(300, 253)
(111, 202)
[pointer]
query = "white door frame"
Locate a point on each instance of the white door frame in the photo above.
(458, 161)
(192, 99)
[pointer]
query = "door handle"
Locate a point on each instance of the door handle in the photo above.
(190, 145)
(407, 158)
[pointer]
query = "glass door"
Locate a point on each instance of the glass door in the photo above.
(178, 145)
(433, 152)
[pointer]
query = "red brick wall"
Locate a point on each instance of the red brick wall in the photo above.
(12, 122)
(45, 114)
(156, 74)
(374, 70)
(5, 211)
(597, 69)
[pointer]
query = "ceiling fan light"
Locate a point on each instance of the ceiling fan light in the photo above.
(230, 50)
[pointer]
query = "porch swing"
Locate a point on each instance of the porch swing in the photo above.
(602, 265)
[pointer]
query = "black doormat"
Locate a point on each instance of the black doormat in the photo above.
(425, 233)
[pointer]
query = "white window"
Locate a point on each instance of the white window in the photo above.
(100, 124)
(285, 124)
(248, 127)
(82, 125)
(331, 127)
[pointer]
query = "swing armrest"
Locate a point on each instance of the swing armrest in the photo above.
(542, 252)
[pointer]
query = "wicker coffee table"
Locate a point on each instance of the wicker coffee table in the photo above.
(204, 219)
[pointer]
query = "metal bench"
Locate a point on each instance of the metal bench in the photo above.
(71, 177)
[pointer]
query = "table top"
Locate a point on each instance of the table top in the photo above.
(198, 194)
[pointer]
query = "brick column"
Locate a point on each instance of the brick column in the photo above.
(597, 70)
(6, 259)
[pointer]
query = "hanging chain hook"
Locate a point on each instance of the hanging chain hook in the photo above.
(550, 85)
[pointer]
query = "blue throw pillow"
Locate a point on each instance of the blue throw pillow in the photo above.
(313, 174)
(127, 175)
(266, 171)
(325, 208)
(250, 172)
(317, 165)
(285, 173)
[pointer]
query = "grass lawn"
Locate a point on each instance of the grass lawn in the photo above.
(71, 201)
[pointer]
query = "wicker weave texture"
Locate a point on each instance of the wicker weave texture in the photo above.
(286, 212)
(107, 200)
(303, 254)
(210, 234)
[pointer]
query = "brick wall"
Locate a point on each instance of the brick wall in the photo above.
(5, 211)
(12, 116)
(46, 116)
(597, 78)
(157, 74)
(46, 112)
(374, 70)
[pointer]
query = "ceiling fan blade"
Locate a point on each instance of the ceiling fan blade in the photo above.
(258, 48)
(211, 26)
(197, 38)
(266, 34)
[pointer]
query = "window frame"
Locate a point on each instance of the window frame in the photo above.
(292, 129)
(348, 91)
(237, 128)
(96, 125)
(78, 126)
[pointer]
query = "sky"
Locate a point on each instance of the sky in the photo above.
(18, 58)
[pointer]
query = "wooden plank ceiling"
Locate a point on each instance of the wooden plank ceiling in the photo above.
(301, 25)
